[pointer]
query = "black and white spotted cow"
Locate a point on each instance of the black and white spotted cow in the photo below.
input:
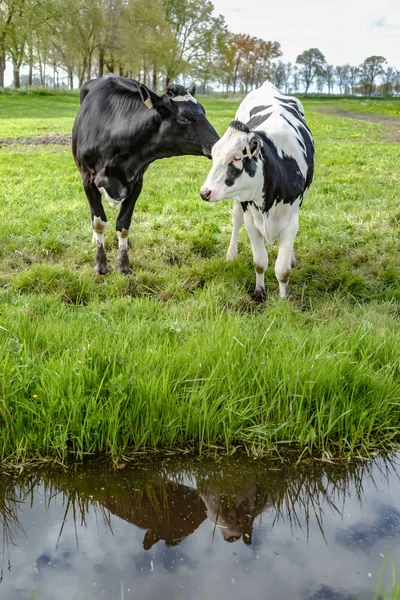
(121, 127)
(265, 162)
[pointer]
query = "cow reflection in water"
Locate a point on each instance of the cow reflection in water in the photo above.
(233, 502)
(168, 511)
(230, 494)
(171, 511)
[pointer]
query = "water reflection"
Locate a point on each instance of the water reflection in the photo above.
(289, 527)
(166, 510)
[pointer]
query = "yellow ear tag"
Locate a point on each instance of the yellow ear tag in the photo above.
(148, 103)
(254, 152)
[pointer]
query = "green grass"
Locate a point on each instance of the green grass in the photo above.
(394, 593)
(24, 114)
(178, 354)
(388, 107)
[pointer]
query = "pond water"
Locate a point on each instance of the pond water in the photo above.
(178, 528)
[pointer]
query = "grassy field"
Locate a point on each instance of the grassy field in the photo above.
(177, 354)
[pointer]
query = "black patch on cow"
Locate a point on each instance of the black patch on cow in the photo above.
(246, 204)
(244, 151)
(294, 111)
(288, 101)
(309, 152)
(283, 181)
(239, 126)
(256, 121)
(299, 139)
(289, 123)
(250, 166)
(258, 109)
(232, 174)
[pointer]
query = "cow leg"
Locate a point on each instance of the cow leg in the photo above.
(123, 223)
(293, 261)
(237, 222)
(260, 256)
(99, 223)
(285, 258)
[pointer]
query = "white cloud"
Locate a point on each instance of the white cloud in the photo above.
(344, 30)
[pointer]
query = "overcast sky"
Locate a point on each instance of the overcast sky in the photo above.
(344, 30)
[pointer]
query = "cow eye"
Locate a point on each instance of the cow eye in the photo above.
(185, 120)
(237, 158)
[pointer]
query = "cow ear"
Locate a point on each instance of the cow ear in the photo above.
(150, 99)
(192, 90)
(150, 538)
(255, 145)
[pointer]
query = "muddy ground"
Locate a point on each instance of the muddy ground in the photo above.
(393, 134)
(56, 138)
(391, 123)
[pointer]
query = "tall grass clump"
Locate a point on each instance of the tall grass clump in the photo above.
(197, 378)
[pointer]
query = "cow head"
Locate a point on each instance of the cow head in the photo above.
(236, 172)
(184, 128)
(232, 514)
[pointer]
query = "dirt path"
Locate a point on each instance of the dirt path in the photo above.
(56, 138)
(394, 124)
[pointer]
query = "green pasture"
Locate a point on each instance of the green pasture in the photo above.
(177, 354)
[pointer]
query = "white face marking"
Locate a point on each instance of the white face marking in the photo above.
(113, 203)
(186, 98)
(229, 151)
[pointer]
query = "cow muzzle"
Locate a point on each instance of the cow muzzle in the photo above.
(205, 194)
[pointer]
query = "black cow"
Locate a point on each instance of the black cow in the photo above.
(121, 127)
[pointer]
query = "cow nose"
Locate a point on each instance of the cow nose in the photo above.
(205, 193)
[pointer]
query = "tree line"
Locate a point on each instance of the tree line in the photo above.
(157, 41)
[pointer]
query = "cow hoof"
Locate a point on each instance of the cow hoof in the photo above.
(123, 264)
(124, 270)
(231, 254)
(259, 294)
(283, 290)
(100, 261)
(101, 269)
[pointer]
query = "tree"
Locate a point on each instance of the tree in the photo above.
(313, 62)
(296, 78)
(370, 69)
(146, 39)
(396, 83)
(242, 45)
(112, 36)
(389, 78)
(328, 76)
(343, 77)
(187, 19)
(354, 73)
(267, 53)
(288, 73)
(248, 65)
(17, 35)
(279, 75)
(320, 83)
(206, 67)
(253, 60)
(29, 17)
(226, 60)
(8, 10)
